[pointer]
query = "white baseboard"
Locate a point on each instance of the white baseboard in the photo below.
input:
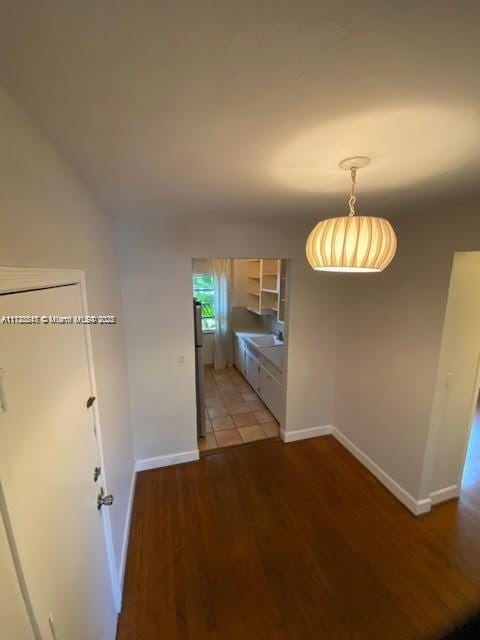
(302, 434)
(144, 465)
(415, 506)
(447, 493)
(165, 461)
(126, 531)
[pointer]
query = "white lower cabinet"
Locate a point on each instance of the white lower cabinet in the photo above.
(271, 392)
(252, 370)
(239, 355)
(261, 374)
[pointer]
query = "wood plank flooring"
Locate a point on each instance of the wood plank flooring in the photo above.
(293, 542)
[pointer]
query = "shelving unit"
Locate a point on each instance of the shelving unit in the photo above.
(282, 301)
(254, 290)
(269, 300)
(270, 276)
(267, 287)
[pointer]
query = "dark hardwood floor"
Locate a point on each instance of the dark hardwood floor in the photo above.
(293, 542)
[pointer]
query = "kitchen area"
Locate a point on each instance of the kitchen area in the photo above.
(259, 354)
(244, 401)
(259, 358)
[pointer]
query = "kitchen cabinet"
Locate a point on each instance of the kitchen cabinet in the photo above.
(271, 392)
(267, 287)
(262, 373)
(239, 355)
(252, 370)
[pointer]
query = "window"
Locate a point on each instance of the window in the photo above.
(204, 292)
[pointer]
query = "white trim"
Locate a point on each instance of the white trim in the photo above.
(146, 464)
(447, 493)
(415, 506)
(112, 565)
(24, 278)
(126, 531)
(302, 434)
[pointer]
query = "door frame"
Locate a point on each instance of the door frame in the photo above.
(286, 330)
(439, 404)
(18, 279)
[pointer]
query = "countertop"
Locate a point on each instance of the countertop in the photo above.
(273, 354)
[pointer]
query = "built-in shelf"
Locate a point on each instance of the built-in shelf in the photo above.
(267, 287)
(283, 292)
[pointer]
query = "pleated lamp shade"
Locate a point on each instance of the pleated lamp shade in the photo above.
(353, 244)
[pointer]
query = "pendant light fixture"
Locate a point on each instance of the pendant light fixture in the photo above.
(351, 243)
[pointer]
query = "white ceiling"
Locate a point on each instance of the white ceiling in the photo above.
(241, 109)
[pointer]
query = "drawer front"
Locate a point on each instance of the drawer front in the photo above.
(271, 392)
(272, 370)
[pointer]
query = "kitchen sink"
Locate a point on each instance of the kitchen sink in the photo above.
(266, 341)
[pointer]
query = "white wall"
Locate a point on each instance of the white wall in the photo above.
(49, 220)
(156, 276)
(390, 330)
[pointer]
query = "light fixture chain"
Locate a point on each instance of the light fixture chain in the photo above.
(353, 198)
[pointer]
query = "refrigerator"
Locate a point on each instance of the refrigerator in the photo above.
(199, 369)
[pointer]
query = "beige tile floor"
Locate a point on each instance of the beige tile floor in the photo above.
(235, 414)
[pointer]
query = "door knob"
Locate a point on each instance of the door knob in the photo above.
(103, 500)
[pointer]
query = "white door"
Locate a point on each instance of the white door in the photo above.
(48, 453)
(14, 623)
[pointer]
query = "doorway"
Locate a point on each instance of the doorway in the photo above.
(241, 336)
(453, 452)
